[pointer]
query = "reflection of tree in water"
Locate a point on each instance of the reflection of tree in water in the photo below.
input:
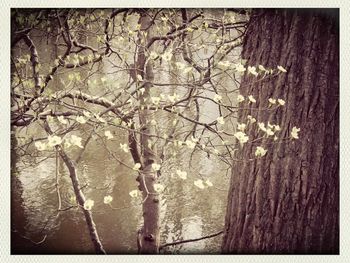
(18, 219)
(189, 213)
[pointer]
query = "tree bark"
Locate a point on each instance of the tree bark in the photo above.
(95, 239)
(288, 201)
(80, 197)
(149, 234)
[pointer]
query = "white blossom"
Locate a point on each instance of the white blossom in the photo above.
(87, 114)
(124, 147)
(241, 126)
(269, 132)
(260, 151)
(199, 183)
(190, 144)
(88, 204)
(240, 98)
(251, 99)
(241, 137)
(178, 143)
(76, 140)
(40, 146)
(134, 193)
(252, 70)
(224, 64)
(251, 119)
(137, 166)
(262, 68)
(220, 120)
(158, 188)
(54, 140)
(153, 122)
(240, 68)
(49, 118)
(173, 98)
(100, 119)
(208, 183)
(139, 77)
(261, 126)
(107, 199)
(282, 69)
(281, 102)
(155, 100)
(272, 101)
(167, 55)
(277, 127)
(217, 98)
(155, 166)
(142, 90)
(294, 133)
(109, 135)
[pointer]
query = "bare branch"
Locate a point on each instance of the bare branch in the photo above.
(190, 240)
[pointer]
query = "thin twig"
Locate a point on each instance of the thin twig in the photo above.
(190, 240)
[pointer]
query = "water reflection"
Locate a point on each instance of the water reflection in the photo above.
(186, 211)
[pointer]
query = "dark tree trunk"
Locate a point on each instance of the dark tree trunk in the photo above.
(288, 201)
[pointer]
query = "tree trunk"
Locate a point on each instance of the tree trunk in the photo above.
(288, 201)
(149, 235)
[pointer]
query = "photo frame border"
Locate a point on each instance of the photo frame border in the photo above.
(5, 228)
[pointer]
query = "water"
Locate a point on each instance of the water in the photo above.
(187, 212)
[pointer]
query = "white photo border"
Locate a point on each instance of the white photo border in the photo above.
(5, 228)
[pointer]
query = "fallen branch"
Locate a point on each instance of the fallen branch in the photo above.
(190, 240)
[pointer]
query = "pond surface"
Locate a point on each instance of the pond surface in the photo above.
(186, 211)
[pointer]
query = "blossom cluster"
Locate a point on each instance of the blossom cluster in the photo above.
(54, 140)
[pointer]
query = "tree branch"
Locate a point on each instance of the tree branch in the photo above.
(190, 240)
(79, 196)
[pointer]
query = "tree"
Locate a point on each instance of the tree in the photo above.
(288, 202)
(146, 73)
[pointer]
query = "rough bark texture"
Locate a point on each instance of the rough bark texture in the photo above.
(288, 201)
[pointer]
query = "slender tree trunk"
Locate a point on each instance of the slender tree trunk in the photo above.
(288, 201)
(149, 235)
(80, 197)
(95, 239)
